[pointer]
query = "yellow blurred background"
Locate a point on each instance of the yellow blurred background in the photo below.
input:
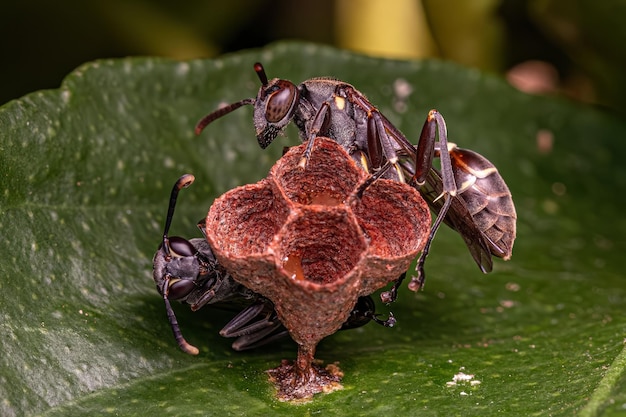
(570, 47)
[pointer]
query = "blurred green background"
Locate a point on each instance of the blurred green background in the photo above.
(570, 47)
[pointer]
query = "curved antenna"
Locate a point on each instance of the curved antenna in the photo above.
(182, 343)
(183, 182)
(206, 120)
(211, 117)
(260, 71)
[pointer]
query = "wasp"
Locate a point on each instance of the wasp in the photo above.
(467, 192)
(187, 271)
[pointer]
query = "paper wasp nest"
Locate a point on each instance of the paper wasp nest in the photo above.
(304, 240)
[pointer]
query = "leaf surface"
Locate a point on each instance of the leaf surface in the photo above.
(85, 177)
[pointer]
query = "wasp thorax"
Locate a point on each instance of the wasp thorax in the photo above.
(303, 239)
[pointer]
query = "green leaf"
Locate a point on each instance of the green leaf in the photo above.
(85, 177)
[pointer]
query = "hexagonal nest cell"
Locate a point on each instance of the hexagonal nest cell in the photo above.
(302, 238)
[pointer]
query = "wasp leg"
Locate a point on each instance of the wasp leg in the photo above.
(379, 141)
(434, 126)
(417, 282)
(374, 145)
(376, 153)
(388, 149)
(204, 299)
(222, 288)
(390, 296)
(319, 124)
(390, 322)
(240, 323)
(374, 177)
(260, 338)
(365, 310)
(250, 333)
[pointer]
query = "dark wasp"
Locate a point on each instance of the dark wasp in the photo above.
(468, 193)
(187, 271)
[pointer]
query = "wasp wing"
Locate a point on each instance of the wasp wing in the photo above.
(460, 219)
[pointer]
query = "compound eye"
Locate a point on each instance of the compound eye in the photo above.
(180, 289)
(180, 247)
(281, 101)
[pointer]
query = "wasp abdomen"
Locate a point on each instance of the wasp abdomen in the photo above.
(488, 199)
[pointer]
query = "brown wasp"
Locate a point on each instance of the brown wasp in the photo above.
(468, 193)
(187, 271)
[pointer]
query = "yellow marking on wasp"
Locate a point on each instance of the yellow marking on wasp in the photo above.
(482, 173)
(340, 102)
(467, 184)
(365, 163)
(400, 173)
